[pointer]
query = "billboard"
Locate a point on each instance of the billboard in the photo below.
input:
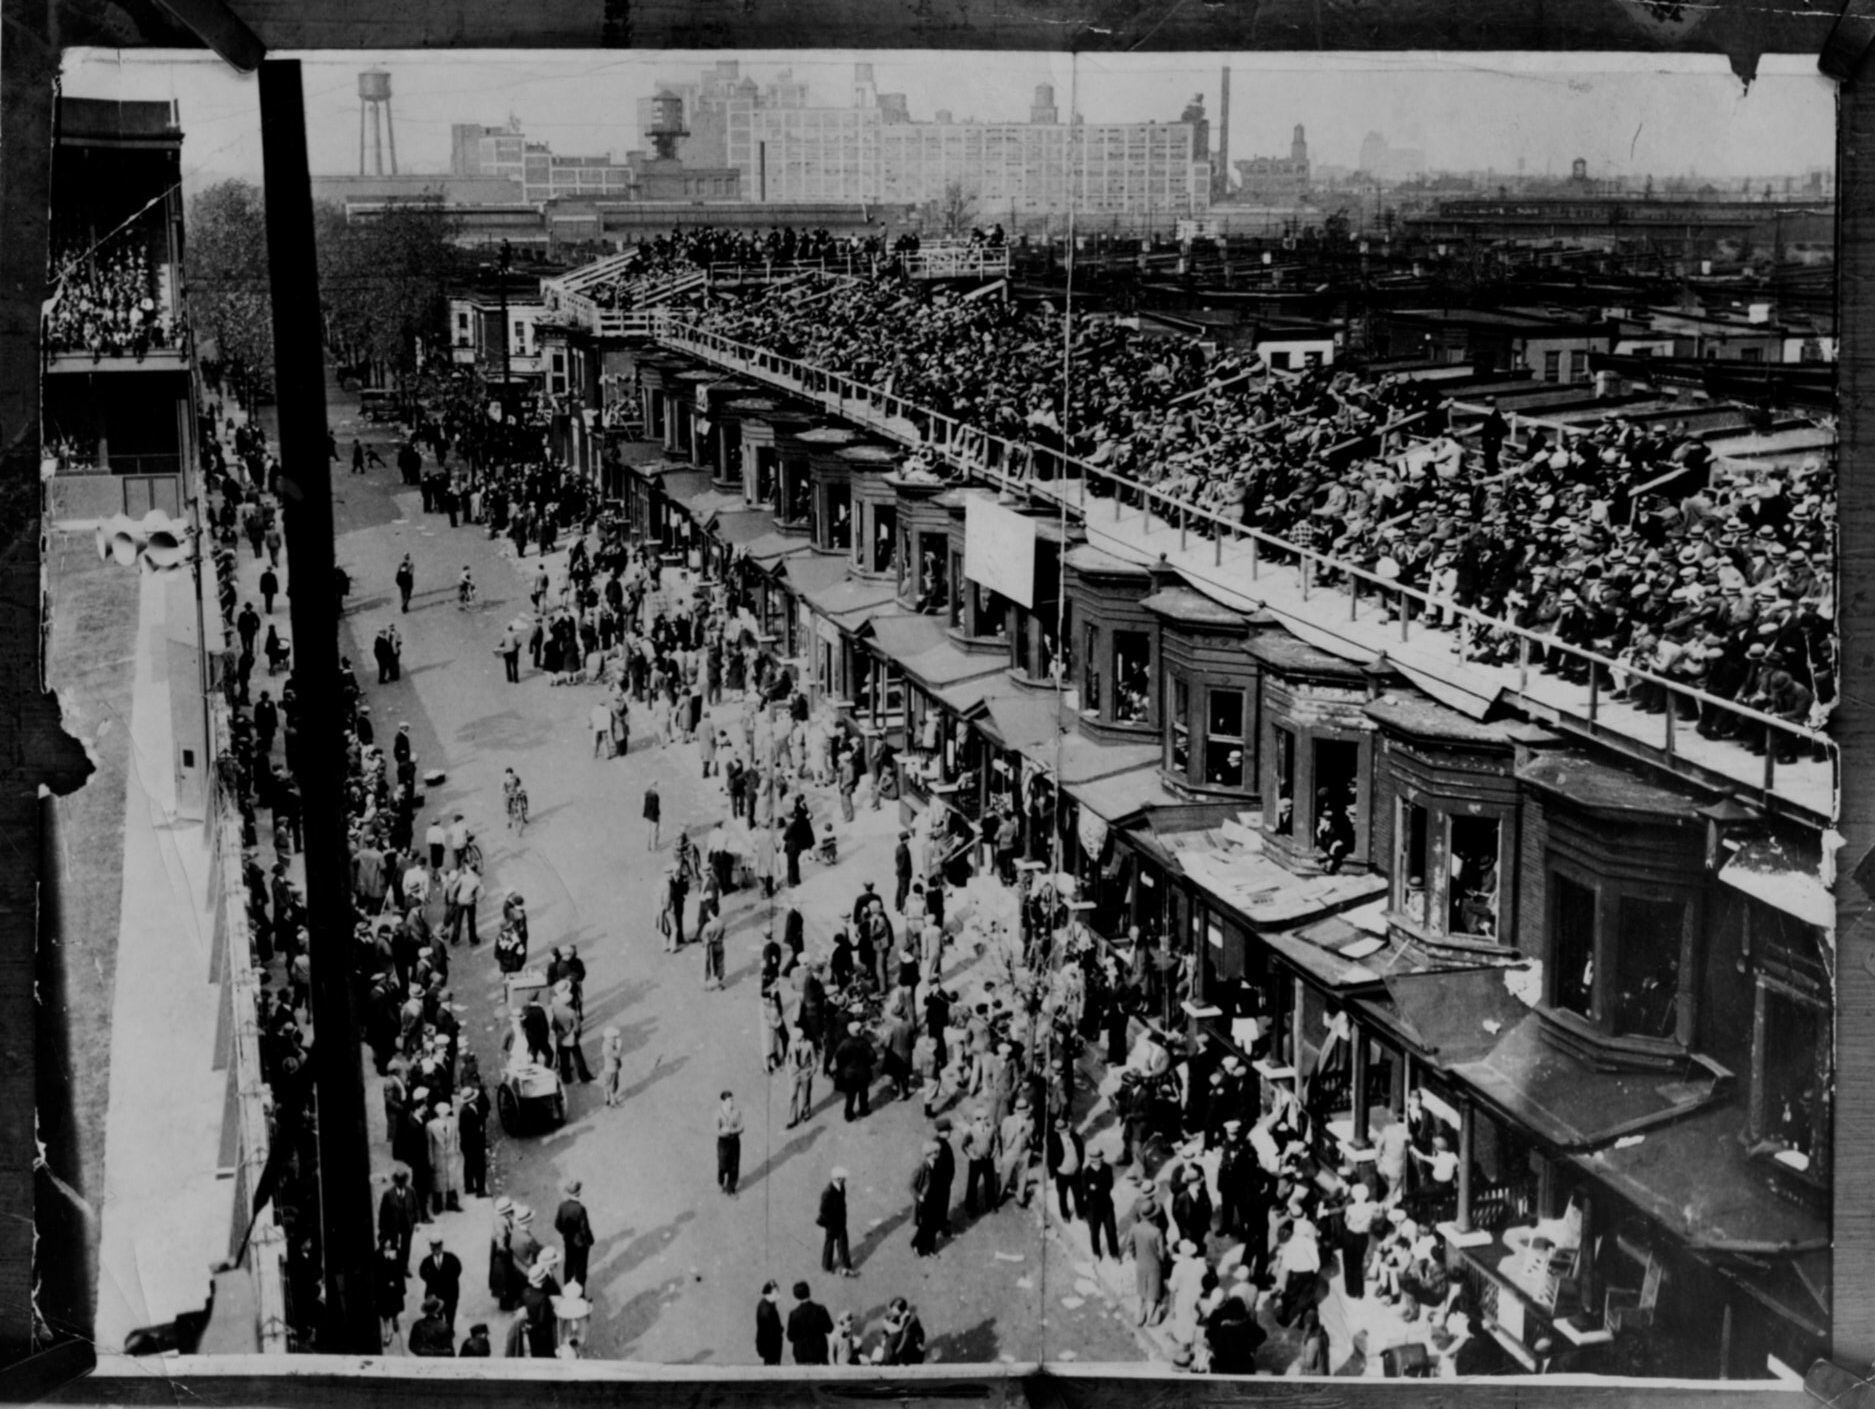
(999, 550)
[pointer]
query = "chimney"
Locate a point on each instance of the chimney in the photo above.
(1220, 173)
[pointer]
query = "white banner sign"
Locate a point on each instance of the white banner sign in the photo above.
(999, 550)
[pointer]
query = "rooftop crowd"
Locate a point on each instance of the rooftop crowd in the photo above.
(105, 302)
(1620, 539)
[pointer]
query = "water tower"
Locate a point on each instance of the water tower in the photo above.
(664, 124)
(374, 101)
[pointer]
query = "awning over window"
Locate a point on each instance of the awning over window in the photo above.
(742, 526)
(1119, 797)
(1696, 1177)
(1457, 1015)
(1023, 720)
(901, 638)
(1784, 876)
(1573, 1103)
(771, 547)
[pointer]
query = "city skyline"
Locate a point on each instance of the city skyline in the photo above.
(1625, 115)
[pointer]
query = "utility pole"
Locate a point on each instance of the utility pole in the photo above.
(502, 266)
(349, 1324)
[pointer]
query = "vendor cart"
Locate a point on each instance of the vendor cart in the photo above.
(531, 1095)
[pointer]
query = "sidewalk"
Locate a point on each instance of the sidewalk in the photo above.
(166, 1211)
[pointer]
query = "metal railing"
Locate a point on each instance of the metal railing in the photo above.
(1019, 468)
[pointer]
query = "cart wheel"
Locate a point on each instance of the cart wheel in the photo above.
(559, 1109)
(508, 1109)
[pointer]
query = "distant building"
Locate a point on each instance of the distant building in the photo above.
(543, 174)
(872, 151)
(1275, 180)
(1382, 162)
(720, 107)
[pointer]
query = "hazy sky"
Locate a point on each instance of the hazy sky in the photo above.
(1624, 113)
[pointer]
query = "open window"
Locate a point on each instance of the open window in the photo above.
(1283, 804)
(1617, 954)
(1090, 671)
(1132, 677)
(1224, 738)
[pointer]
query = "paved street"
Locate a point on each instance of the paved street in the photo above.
(678, 1265)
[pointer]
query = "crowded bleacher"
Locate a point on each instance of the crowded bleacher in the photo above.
(105, 302)
(684, 250)
(1617, 539)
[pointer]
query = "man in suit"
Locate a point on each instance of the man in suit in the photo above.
(441, 1274)
(398, 1213)
(809, 1325)
(575, 1230)
(901, 865)
(768, 1332)
(1097, 1203)
(832, 1221)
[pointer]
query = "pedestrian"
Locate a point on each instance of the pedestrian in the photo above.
(508, 647)
(903, 1340)
(853, 1062)
(445, 1142)
(728, 1144)
(713, 935)
(431, 1335)
(832, 1224)
(768, 1330)
(563, 1017)
(926, 1220)
(901, 865)
(398, 1215)
(391, 1274)
(611, 1064)
(441, 1275)
(269, 588)
(472, 1127)
(1146, 1246)
(575, 1230)
(406, 582)
(809, 1326)
(599, 718)
(801, 1062)
(464, 894)
(1097, 1204)
(653, 814)
(477, 1346)
(1067, 1157)
(503, 1284)
(274, 544)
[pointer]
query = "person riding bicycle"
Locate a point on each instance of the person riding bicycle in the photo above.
(514, 794)
(465, 588)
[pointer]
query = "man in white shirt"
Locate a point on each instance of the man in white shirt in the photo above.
(458, 839)
(601, 720)
(436, 838)
(463, 896)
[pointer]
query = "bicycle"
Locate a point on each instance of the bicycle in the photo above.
(467, 598)
(471, 854)
(517, 809)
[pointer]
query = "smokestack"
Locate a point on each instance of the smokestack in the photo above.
(1220, 175)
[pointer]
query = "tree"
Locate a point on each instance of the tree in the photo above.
(384, 282)
(225, 272)
(953, 212)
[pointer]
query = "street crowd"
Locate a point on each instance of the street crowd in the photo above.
(1623, 539)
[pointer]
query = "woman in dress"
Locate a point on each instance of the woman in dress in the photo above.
(390, 1289)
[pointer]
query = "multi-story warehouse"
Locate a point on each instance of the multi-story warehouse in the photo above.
(873, 151)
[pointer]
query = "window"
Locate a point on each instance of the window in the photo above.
(1552, 366)
(933, 572)
(1471, 905)
(1132, 676)
(1180, 722)
(1572, 946)
(1285, 801)
(1335, 816)
(884, 537)
(839, 517)
(956, 589)
(1791, 1062)
(1646, 968)
(1412, 868)
(1090, 679)
(1223, 739)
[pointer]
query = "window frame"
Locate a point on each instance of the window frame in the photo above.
(1442, 813)
(1609, 891)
